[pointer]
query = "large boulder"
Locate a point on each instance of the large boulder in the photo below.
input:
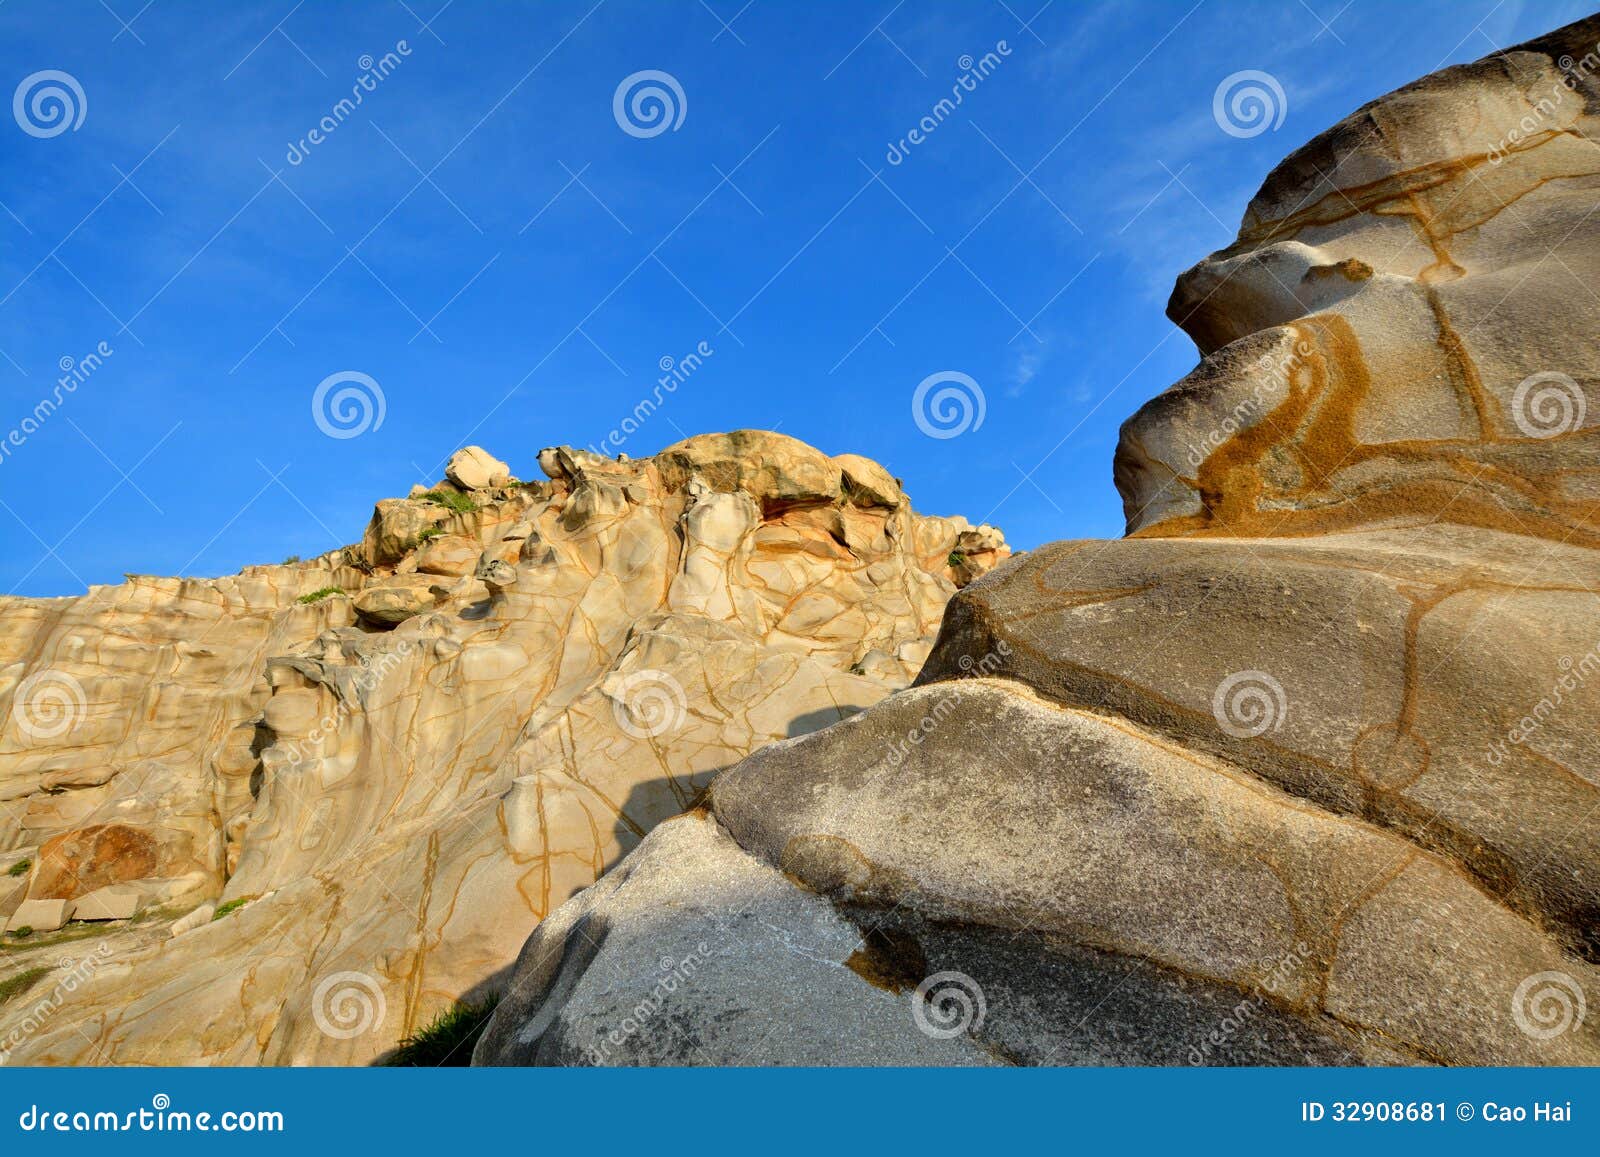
(398, 598)
(40, 916)
(1301, 772)
(771, 468)
(474, 468)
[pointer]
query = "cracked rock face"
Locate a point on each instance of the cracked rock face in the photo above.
(336, 796)
(1304, 770)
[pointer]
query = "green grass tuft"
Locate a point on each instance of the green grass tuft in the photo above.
(319, 595)
(20, 868)
(291, 560)
(955, 560)
(448, 1041)
(21, 933)
(231, 907)
(20, 983)
(450, 500)
(431, 532)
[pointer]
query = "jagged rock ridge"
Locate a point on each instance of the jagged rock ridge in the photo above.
(338, 794)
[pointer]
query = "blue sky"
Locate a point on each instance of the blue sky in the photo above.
(484, 241)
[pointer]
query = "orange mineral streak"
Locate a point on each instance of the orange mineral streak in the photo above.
(1463, 373)
(1444, 197)
(1287, 475)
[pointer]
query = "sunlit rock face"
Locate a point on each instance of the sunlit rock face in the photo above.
(338, 794)
(1304, 770)
(1404, 325)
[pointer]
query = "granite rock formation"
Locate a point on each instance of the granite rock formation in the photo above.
(1303, 770)
(311, 806)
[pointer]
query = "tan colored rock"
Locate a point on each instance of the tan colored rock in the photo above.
(198, 918)
(1303, 771)
(868, 484)
(451, 555)
(977, 552)
(123, 721)
(113, 902)
(402, 783)
(771, 468)
(395, 599)
(41, 915)
(13, 891)
(474, 468)
(398, 526)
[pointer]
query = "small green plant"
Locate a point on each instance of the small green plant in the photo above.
(319, 595)
(291, 560)
(229, 908)
(451, 500)
(447, 1041)
(20, 868)
(956, 560)
(21, 982)
(22, 933)
(431, 532)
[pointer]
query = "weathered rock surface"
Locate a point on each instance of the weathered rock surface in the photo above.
(40, 915)
(474, 468)
(336, 796)
(1302, 771)
(1401, 327)
(113, 902)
